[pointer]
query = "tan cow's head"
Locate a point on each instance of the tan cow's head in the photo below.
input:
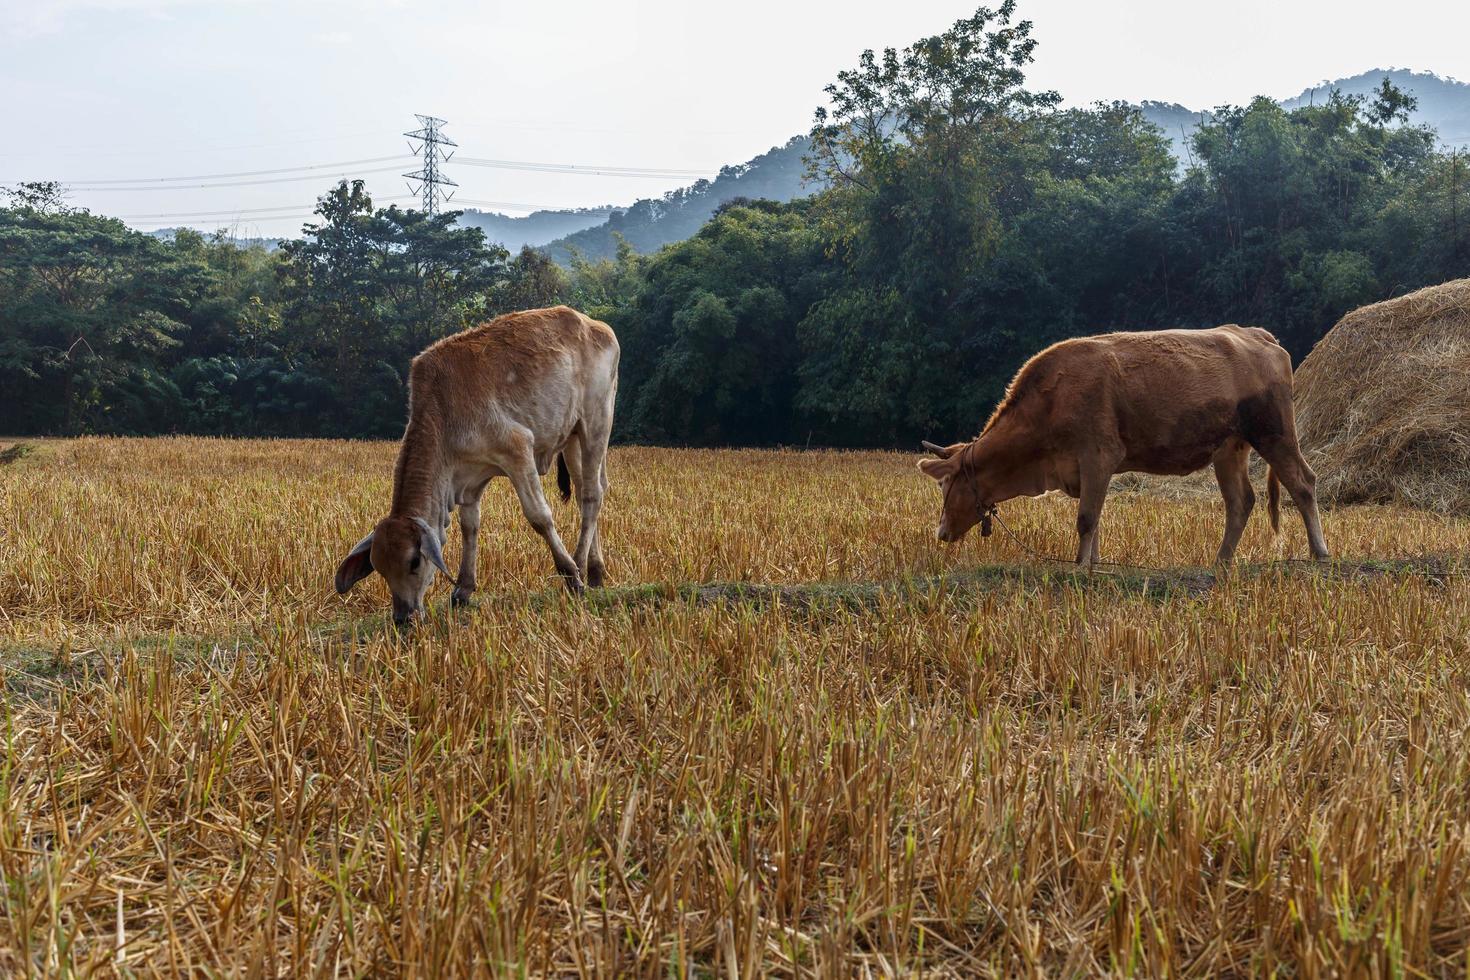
(406, 551)
(962, 508)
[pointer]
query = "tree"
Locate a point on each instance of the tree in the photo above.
(710, 349)
(368, 289)
(532, 281)
(89, 309)
(926, 150)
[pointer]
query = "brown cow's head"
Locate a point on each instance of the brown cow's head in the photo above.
(962, 509)
(406, 552)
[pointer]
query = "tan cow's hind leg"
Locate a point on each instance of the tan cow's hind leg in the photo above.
(596, 570)
(590, 493)
(1232, 474)
(1285, 457)
(527, 481)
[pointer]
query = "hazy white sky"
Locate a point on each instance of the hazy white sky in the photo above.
(134, 89)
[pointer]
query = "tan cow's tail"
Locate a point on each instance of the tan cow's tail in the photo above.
(1273, 498)
(564, 478)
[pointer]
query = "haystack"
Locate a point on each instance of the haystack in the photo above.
(1383, 403)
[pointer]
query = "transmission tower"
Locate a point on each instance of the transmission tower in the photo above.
(430, 177)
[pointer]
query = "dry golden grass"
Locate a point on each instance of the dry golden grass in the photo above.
(213, 763)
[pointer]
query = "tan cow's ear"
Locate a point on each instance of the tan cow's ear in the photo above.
(357, 566)
(936, 468)
(429, 545)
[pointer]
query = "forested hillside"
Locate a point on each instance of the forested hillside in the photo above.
(972, 224)
(776, 175)
(537, 228)
(1442, 104)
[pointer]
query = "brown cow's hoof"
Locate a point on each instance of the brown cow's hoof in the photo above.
(595, 576)
(461, 597)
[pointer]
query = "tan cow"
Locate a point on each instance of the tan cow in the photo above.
(502, 399)
(1167, 402)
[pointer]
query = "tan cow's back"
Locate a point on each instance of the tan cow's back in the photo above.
(510, 355)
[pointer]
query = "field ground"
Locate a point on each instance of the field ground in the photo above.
(796, 736)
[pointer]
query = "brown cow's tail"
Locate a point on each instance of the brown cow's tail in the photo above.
(1273, 498)
(564, 478)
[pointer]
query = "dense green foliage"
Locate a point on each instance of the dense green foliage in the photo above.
(966, 222)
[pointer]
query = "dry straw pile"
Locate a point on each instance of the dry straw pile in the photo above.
(1383, 402)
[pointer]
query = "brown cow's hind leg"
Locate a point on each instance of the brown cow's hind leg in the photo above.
(1285, 457)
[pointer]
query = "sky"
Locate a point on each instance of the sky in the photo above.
(134, 90)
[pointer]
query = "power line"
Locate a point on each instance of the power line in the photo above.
(234, 211)
(585, 169)
(524, 207)
(238, 183)
(105, 149)
(314, 170)
(240, 173)
(431, 138)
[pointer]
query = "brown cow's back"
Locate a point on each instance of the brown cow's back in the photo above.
(1166, 398)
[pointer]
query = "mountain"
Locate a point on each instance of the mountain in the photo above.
(535, 229)
(1177, 122)
(269, 244)
(778, 174)
(1444, 105)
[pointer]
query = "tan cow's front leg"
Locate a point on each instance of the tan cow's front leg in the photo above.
(469, 531)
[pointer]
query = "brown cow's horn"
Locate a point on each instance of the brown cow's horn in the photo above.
(939, 451)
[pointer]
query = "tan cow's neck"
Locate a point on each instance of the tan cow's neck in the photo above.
(420, 470)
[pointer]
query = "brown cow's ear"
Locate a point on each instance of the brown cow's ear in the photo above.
(357, 566)
(936, 468)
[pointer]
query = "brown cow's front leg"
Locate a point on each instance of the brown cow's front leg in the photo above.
(1231, 473)
(1089, 513)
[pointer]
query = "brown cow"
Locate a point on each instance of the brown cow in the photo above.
(1167, 402)
(502, 399)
